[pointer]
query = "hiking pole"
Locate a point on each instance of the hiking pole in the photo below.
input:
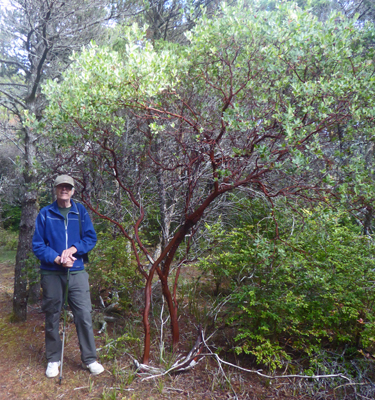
(65, 315)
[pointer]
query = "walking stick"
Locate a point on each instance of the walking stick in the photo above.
(65, 314)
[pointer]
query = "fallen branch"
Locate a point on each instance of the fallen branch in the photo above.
(182, 364)
(174, 389)
(82, 387)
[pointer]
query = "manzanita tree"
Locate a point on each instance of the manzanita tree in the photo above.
(251, 101)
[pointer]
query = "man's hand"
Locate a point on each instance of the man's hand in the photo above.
(68, 254)
(66, 259)
(69, 261)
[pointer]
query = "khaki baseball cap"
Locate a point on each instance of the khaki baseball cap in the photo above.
(64, 179)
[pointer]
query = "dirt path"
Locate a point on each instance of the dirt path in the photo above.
(22, 368)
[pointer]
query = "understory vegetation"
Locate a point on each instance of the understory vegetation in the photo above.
(308, 291)
(298, 303)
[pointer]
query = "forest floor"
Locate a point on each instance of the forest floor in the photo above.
(23, 364)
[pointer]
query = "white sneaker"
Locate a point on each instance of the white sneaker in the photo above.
(52, 369)
(95, 368)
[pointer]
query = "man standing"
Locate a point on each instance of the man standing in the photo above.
(63, 236)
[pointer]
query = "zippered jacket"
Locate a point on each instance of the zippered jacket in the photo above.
(52, 237)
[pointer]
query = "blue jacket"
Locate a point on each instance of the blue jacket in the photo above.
(51, 236)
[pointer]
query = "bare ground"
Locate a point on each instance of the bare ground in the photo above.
(23, 364)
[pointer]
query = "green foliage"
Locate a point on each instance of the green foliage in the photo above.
(276, 77)
(127, 342)
(110, 268)
(11, 217)
(307, 290)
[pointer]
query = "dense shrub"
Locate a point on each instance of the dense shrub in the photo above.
(312, 288)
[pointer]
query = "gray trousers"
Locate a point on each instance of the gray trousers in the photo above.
(79, 301)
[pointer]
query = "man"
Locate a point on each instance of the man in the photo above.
(63, 236)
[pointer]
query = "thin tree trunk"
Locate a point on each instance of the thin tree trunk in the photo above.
(173, 308)
(28, 216)
(146, 322)
(27, 225)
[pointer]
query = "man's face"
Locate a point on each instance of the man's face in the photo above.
(64, 191)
